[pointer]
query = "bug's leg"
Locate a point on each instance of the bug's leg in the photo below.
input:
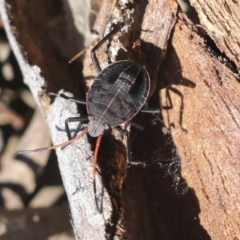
(154, 111)
(150, 110)
(72, 99)
(78, 55)
(93, 54)
(64, 144)
(128, 144)
(74, 119)
(128, 148)
(95, 159)
(137, 125)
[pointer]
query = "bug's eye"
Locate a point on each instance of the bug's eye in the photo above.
(106, 126)
(90, 117)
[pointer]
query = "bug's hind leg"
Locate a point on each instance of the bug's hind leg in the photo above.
(74, 119)
(150, 110)
(128, 145)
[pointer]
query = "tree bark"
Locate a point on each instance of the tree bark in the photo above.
(209, 112)
(185, 185)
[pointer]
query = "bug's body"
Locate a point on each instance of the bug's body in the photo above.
(117, 94)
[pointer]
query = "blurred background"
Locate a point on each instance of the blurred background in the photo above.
(33, 204)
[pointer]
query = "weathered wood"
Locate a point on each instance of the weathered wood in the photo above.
(44, 38)
(221, 21)
(205, 95)
(205, 113)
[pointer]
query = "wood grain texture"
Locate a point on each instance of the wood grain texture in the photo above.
(208, 139)
(44, 38)
(221, 20)
(200, 113)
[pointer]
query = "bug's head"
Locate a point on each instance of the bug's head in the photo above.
(96, 126)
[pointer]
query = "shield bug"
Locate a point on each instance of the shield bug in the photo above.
(117, 94)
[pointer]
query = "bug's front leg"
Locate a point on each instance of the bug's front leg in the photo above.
(73, 99)
(74, 119)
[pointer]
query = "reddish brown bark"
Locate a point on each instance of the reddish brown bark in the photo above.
(210, 114)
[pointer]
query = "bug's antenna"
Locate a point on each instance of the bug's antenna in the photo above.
(56, 146)
(99, 139)
(77, 56)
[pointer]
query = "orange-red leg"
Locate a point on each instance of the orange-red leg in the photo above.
(95, 159)
(58, 145)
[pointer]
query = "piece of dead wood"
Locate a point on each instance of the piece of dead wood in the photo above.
(39, 33)
(150, 205)
(221, 21)
(205, 100)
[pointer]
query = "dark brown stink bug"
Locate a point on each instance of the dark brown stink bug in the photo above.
(117, 94)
